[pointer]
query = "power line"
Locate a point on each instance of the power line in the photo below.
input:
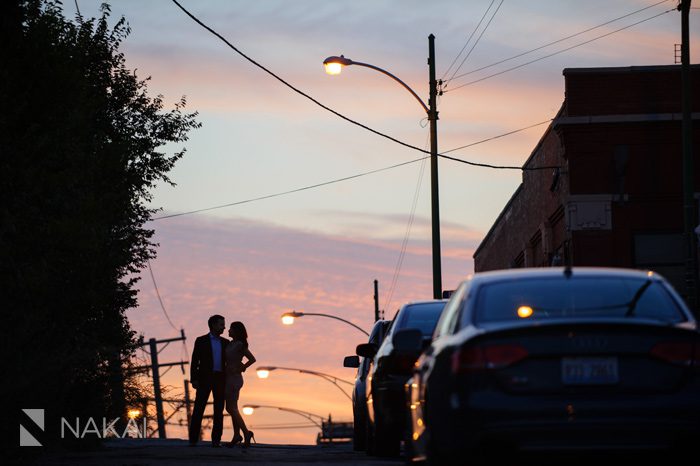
(556, 41)
(340, 115)
(498, 167)
(298, 91)
(468, 40)
(155, 285)
(269, 196)
(497, 137)
(325, 183)
(558, 52)
(409, 226)
(476, 42)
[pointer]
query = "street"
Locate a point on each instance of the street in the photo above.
(144, 452)
(132, 452)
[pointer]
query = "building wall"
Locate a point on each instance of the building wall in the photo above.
(619, 197)
(519, 238)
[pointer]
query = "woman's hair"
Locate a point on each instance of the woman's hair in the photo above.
(239, 332)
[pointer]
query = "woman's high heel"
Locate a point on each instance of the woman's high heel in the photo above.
(235, 441)
(248, 436)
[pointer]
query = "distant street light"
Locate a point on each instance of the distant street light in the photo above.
(248, 410)
(264, 372)
(288, 318)
(334, 65)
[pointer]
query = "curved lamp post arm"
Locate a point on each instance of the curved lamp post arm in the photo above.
(338, 386)
(305, 414)
(330, 378)
(334, 317)
(346, 61)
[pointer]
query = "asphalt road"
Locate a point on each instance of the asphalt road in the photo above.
(146, 452)
(143, 452)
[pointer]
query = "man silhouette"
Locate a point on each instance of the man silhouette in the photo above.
(207, 376)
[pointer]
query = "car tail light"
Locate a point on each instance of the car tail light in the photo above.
(484, 357)
(679, 353)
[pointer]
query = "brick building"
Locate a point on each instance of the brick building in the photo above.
(616, 198)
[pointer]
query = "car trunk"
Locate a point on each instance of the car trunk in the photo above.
(580, 358)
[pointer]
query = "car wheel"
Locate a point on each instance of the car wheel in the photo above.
(386, 441)
(359, 434)
(369, 436)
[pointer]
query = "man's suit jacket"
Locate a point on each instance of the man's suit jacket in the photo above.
(202, 362)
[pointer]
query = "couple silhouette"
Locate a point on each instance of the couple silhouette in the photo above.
(217, 368)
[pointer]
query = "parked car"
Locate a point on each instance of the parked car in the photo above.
(359, 401)
(551, 359)
(389, 369)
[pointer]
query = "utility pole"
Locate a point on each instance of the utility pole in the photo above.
(434, 191)
(154, 367)
(689, 212)
(376, 300)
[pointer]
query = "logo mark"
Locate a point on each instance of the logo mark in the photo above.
(26, 439)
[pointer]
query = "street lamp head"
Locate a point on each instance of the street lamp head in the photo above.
(248, 410)
(288, 317)
(334, 65)
(264, 372)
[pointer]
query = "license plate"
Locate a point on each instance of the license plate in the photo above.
(589, 371)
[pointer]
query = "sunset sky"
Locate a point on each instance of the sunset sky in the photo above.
(319, 250)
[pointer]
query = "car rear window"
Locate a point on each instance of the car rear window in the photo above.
(422, 316)
(555, 298)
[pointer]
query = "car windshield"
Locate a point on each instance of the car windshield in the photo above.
(422, 316)
(561, 297)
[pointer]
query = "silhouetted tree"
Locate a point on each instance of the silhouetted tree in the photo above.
(81, 146)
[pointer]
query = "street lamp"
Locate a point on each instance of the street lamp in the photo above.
(248, 410)
(288, 318)
(334, 65)
(264, 372)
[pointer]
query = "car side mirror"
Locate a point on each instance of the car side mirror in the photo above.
(366, 350)
(351, 361)
(409, 340)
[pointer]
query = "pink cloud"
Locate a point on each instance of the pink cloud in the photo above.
(254, 271)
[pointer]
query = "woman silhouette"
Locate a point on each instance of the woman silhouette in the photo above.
(234, 380)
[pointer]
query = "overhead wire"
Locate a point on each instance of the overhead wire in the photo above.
(571, 36)
(497, 137)
(558, 52)
(160, 300)
(468, 40)
(184, 350)
(295, 89)
(269, 196)
(338, 180)
(338, 114)
(407, 234)
(476, 42)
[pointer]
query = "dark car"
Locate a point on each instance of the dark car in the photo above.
(359, 401)
(389, 369)
(555, 359)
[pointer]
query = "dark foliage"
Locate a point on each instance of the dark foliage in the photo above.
(81, 146)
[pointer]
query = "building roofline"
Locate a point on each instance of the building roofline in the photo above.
(626, 69)
(496, 222)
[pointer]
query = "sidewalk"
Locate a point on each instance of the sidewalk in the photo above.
(159, 452)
